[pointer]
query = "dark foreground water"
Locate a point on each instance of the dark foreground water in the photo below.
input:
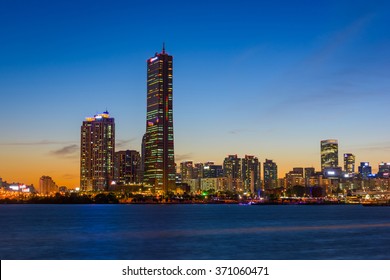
(194, 232)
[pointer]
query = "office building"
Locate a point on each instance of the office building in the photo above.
(309, 172)
(349, 163)
(365, 170)
(295, 177)
(97, 152)
(329, 154)
(159, 162)
(384, 170)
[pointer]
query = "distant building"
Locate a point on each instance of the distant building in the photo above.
(309, 172)
(197, 170)
(295, 177)
(127, 167)
(211, 170)
(186, 170)
(329, 154)
(365, 170)
(384, 170)
(47, 185)
(97, 152)
(232, 171)
(332, 172)
(270, 176)
(217, 184)
(250, 173)
(349, 163)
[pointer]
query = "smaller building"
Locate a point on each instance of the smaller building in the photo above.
(47, 185)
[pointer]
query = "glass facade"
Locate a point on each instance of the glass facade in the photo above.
(349, 163)
(159, 162)
(329, 154)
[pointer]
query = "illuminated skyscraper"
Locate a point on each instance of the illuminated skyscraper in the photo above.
(159, 162)
(97, 152)
(349, 163)
(329, 154)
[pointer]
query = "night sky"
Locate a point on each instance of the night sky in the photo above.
(264, 78)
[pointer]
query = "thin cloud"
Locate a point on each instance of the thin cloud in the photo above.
(120, 144)
(183, 157)
(68, 176)
(384, 147)
(236, 131)
(66, 151)
(339, 40)
(35, 143)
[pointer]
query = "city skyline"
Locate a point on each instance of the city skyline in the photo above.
(265, 79)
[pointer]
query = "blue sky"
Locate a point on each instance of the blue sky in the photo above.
(268, 78)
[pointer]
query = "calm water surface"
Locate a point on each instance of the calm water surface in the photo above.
(194, 232)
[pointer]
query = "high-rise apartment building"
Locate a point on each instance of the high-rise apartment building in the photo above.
(250, 172)
(232, 167)
(329, 154)
(232, 171)
(127, 167)
(187, 170)
(47, 185)
(212, 170)
(159, 162)
(349, 163)
(97, 152)
(270, 170)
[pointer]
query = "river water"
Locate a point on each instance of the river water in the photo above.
(281, 232)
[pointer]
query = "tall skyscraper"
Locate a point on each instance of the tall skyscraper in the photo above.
(159, 162)
(97, 152)
(270, 170)
(349, 163)
(329, 154)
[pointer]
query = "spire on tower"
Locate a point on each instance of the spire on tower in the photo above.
(163, 49)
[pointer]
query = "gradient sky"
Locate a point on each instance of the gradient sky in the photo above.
(267, 78)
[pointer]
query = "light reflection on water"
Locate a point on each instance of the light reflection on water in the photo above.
(194, 232)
